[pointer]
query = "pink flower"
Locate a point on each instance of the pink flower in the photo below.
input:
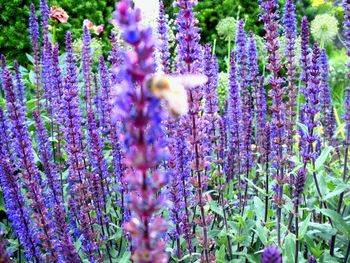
(87, 23)
(99, 29)
(58, 14)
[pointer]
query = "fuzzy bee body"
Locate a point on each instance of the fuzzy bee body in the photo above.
(172, 89)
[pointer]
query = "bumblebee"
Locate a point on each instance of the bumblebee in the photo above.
(173, 90)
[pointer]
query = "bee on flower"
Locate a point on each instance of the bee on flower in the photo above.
(173, 90)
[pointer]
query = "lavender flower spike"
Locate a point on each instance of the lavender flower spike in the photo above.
(290, 34)
(141, 117)
(271, 254)
(34, 39)
(270, 17)
(163, 45)
(29, 173)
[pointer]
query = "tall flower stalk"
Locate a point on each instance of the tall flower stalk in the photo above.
(270, 17)
(79, 179)
(189, 54)
(163, 46)
(290, 34)
(34, 39)
(18, 213)
(139, 110)
(29, 173)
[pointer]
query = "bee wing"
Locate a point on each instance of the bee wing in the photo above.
(193, 80)
(176, 98)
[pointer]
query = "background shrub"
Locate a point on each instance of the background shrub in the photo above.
(14, 37)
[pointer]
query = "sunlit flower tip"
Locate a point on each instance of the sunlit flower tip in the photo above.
(87, 23)
(58, 14)
(271, 254)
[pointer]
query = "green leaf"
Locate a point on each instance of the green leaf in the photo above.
(337, 191)
(259, 208)
(303, 227)
(262, 233)
(220, 255)
(257, 188)
(126, 257)
(303, 127)
(323, 157)
(338, 221)
(289, 248)
(216, 209)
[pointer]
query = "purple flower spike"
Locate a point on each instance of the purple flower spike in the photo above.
(86, 60)
(299, 184)
(29, 173)
(326, 100)
(270, 17)
(234, 119)
(66, 248)
(34, 39)
(19, 84)
(18, 214)
(271, 254)
(79, 179)
(163, 45)
(290, 34)
(139, 112)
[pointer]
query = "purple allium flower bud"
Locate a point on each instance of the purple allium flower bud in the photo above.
(271, 254)
(290, 34)
(163, 45)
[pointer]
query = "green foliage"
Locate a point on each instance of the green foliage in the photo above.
(14, 37)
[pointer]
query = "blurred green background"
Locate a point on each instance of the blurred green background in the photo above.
(217, 19)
